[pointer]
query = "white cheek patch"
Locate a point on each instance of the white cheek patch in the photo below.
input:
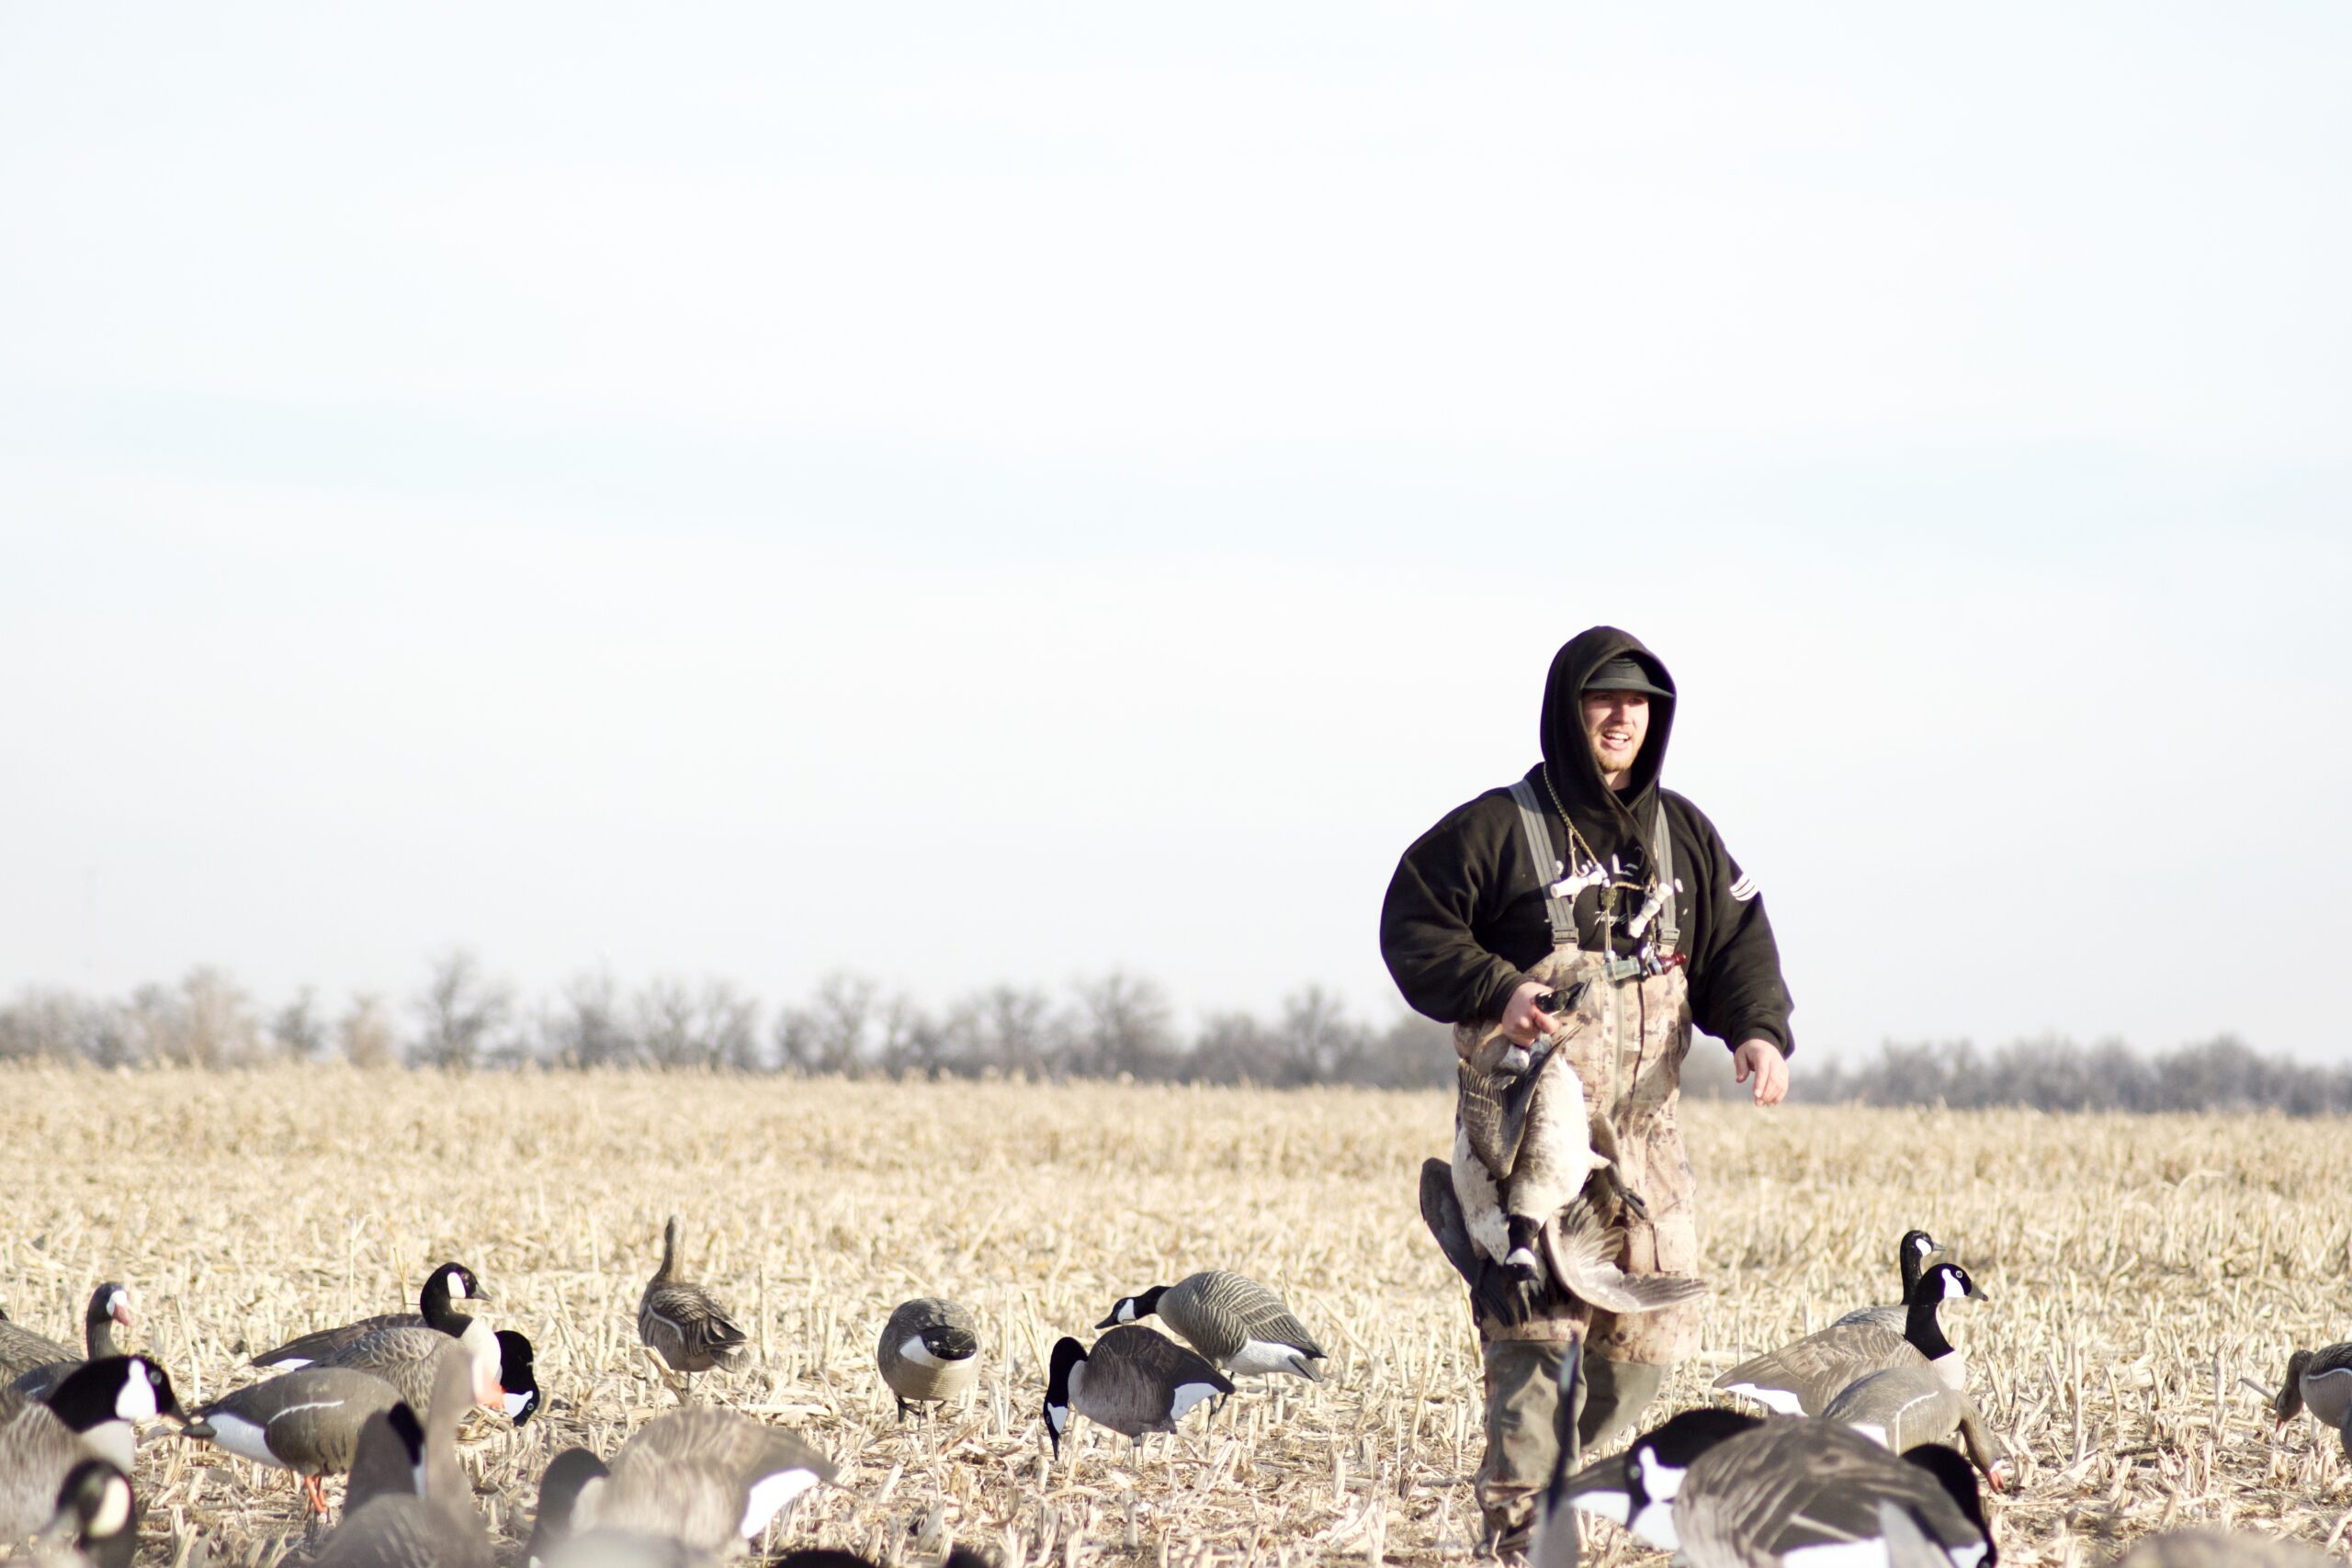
(119, 1307)
(1189, 1394)
(769, 1495)
(1778, 1398)
(1654, 1525)
(914, 1349)
(137, 1400)
(1058, 1417)
(1955, 1289)
(457, 1292)
(1614, 1506)
(1127, 1309)
(114, 1508)
(518, 1404)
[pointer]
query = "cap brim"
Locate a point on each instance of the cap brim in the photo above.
(1644, 687)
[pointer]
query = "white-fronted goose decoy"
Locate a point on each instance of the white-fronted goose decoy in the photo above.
(109, 1307)
(96, 1522)
(431, 1526)
(930, 1351)
(2222, 1548)
(683, 1324)
(437, 1307)
(1240, 1326)
(710, 1480)
(93, 1414)
(1903, 1407)
(1133, 1381)
(306, 1421)
(2321, 1381)
(1803, 1378)
(1911, 1255)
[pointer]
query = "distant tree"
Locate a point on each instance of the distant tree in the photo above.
(365, 1035)
(1231, 1048)
(460, 1011)
(296, 1030)
(1119, 1024)
(712, 1025)
(50, 1024)
(833, 1034)
(1316, 1042)
(584, 1026)
(1007, 1029)
(205, 1022)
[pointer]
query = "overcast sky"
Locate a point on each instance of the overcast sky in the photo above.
(967, 493)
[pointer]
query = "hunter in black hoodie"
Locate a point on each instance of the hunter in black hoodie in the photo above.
(1468, 930)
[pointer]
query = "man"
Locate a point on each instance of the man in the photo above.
(1558, 891)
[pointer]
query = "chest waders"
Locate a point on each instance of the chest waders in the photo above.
(1626, 1045)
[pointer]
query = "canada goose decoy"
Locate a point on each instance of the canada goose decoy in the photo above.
(567, 1476)
(389, 1460)
(1240, 1326)
(91, 1414)
(1636, 1488)
(1800, 1379)
(681, 1324)
(435, 1526)
(1133, 1381)
(2321, 1381)
(709, 1479)
(2222, 1548)
(1911, 1255)
(109, 1306)
(1903, 1407)
(517, 1376)
(306, 1421)
(436, 1308)
(930, 1351)
(97, 1521)
(1793, 1491)
(410, 1359)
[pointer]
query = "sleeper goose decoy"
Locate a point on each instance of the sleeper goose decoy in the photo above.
(92, 1414)
(306, 1421)
(930, 1351)
(436, 1525)
(1903, 1407)
(109, 1306)
(1911, 1255)
(436, 1308)
(1133, 1381)
(2321, 1381)
(1800, 1379)
(1240, 1326)
(683, 1324)
(98, 1518)
(710, 1479)
(1789, 1491)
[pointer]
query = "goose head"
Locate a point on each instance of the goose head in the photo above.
(445, 1287)
(1658, 1460)
(1069, 1354)
(1130, 1308)
(518, 1384)
(2290, 1403)
(96, 1513)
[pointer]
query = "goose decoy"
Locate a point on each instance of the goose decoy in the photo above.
(832, 1557)
(109, 1306)
(437, 1307)
(97, 1521)
(2222, 1548)
(91, 1414)
(1636, 1488)
(567, 1475)
(1240, 1326)
(1133, 1381)
(1911, 1255)
(389, 1460)
(1800, 1379)
(306, 1421)
(1903, 1407)
(410, 1359)
(930, 1351)
(681, 1324)
(2321, 1381)
(708, 1479)
(517, 1376)
(435, 1526)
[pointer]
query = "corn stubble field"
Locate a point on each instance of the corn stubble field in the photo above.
(2138, 1269)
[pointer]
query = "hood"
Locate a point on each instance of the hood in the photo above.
(1611, 821)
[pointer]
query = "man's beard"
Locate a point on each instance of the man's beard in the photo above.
(1616, 762)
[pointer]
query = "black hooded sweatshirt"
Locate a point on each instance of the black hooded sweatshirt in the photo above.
(1465, 916)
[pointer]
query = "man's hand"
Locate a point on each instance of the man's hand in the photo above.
(1524, 1023)
(1760, 1059)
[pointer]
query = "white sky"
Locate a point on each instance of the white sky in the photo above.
(967, 493)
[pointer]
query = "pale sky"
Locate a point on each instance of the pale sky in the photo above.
(973, 494)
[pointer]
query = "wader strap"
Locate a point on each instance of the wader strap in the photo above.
(1670, 929)
(1562, 912)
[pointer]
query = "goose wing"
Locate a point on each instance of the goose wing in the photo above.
(37, 1451)
(688, 1327)
(408, 1359)
(1791, 1485)
(408, 1532)
(1901, 1408)
(1803, 1378)
(1582, 1252)
(320, 1344)
(1251, 1310)
(1136, 1379)
(21, 1350)
(706, 1477)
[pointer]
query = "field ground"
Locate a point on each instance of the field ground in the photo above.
(2138, 1268)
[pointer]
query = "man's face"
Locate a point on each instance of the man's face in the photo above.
(1615, 723)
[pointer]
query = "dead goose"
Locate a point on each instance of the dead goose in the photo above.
(436, 1308)
(1803, 1378)
(709, 1479)
(109, 1306)
(97, 1521)
(1239, 1324)
(681, 1324)
(1133, 1381)
(436, 1525)
(306, 1421)
(930, 1351)
(2320, 1380)
(91, 1414)
(1911, 1255)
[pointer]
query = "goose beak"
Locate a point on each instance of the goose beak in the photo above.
(196, 1427)
(1110, 1322)
(1976, 1295)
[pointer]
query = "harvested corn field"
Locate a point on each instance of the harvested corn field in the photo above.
(2138, 1269)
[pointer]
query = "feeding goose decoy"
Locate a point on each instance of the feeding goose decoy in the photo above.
(109, 1307)
(1636, 1488)
(1800, 1379)
(97, 1521)
(710, 1480)
(2321, 1381)
(437, 1307)
(1133, 1381)
(91, 1414)
(833, 1557)
(928, 1352)
(306, 1421)
(683, 1324)
(1241, 1326)
(431, 1524)
(1903, 1407)
(517, 1376)
(1911, 1255)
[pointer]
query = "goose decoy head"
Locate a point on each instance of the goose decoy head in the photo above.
(572, 1475)
(1954, 1474)
(1658, 1460)
(118, 1388)
(517, 1380)
(1130, 1308)
(2290, 1403)
(111, 1304)
(1946, 1282)
(1068, 1354)
(445, 1289)
(97, 1513)
(946, 1342)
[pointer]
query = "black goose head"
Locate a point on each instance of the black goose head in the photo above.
(515, 1375)
(567, 1478)
(116, 1388)
(1657, 1460)
(1943, 1282)
(1068, 1354)
(1129, 1308)
(949, 1343)
(109, 1310)
(1911, 1255)
(98, 1513)
(2290, 1403)
(446, 1286)
(1954, 1474)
